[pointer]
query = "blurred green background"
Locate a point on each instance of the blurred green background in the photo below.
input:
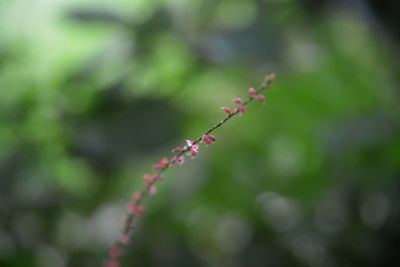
(94, 92)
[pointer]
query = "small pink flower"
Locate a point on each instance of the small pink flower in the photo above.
(124, 239)
(161, 165)
(260, 98)
(189, 143)
(114, 251)
(208, 139)
(194, 150)
(153, 190)
(112, 263)
(227, 110)
(252, 92)
(237, 100)
(138, 211)
(147, 179)
(156, 177)
(137, 196)
(179, 160)
(242, 109)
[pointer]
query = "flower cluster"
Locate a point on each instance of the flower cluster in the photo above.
(191, 148)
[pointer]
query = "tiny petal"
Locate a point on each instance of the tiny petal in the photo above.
(237, 100)
(260, 98)
(227, 110)
(252, 92)
(124, 239)
(153, 190)
(147, 179)
(137, 196)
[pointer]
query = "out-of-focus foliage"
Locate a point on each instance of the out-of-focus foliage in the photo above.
(93, 92)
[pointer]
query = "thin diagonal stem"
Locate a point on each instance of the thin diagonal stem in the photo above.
(131, 218)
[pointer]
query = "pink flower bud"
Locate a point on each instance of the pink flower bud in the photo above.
(156, 177)
(177, 149)
(260, 98)
(112, 263)
(161, 165)
(147, 179)
(138, 211)
(137, 196)
(237, 100)
(123, 239)
(194, 150)
(242, 109)
(189, 143)
(153, 190)
(179, 160)
(227, 110)
(114, 251)
(252, 92)
(208, 139)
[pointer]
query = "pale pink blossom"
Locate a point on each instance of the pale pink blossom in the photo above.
(260, 98)
(124, 239)
(138, 211)
(252, 92)
(115, 251)
(147, 179)
(194, 148)
(208, 139)
(179, 160)
(153, 190)
(237, 100)
(241, 109)
(137, 196)
(227, 110)
(156, 177)
(112, 263)
(161, 165)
